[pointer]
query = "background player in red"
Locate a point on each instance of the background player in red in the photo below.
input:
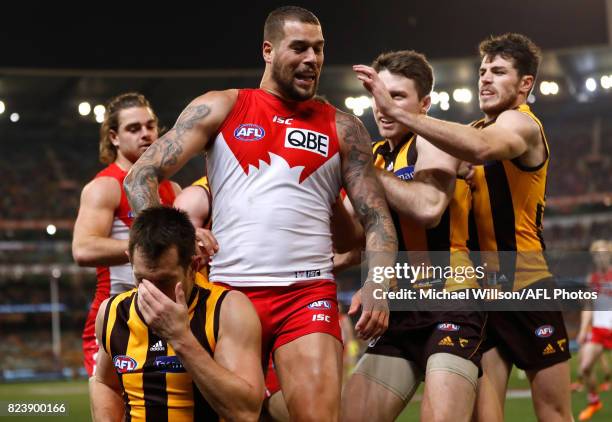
(101, 229)
(597, 323)
(276, 160)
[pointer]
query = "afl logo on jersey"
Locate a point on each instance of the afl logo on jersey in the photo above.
(249, 132)
(124, 364)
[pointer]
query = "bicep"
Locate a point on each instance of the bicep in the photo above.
(511, 135)
(194, 201)
(190, 135)
(99, 201)
(239, 345)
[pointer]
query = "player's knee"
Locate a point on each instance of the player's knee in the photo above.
(455, 365)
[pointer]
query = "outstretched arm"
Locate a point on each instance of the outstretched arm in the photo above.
(425, 197)
(191, 133)
(368, 200)
(510, 137)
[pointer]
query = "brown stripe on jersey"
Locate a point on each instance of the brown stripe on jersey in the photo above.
(154, 384)
(538, 222)
(502, 213)
(120, 334)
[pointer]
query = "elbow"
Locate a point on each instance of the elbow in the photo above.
(81, 256)
(430, 216)
(482, 154)
(248, 411)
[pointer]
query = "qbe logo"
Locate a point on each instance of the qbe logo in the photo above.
(249, 132)
(124, 364)
(320, 304)
(545, 331)
(307, 140)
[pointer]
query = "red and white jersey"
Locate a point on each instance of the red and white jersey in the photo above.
(274, 173)
(119, 278)
(601, 282)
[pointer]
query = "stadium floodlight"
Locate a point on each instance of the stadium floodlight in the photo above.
(444, 105)
(14, 117)
(462, 95)
(84, 108)
(51, 229)
(100, 118)
(606, 83)
(591, 84)
(554, 88)
(2, 107)
(99, 109)
(545, 88)
(349, 102)
(444, 97)
(435, 97)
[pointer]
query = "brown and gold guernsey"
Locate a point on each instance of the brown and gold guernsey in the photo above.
(155, 384)
(450, 235)
(508, 202)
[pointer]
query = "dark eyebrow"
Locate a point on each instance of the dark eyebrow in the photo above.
(303, 43)
(397, 92)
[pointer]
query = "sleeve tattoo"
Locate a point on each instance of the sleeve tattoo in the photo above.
(363, 189)
(160, 160)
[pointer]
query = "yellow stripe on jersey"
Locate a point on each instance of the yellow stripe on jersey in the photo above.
(203, 182)
(450, 235)
(508, 203)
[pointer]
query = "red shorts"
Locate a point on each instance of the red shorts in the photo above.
(272, 384)
(291, 312)
(602, 336)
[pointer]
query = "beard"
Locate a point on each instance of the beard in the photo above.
(502, 105)
(285, 83)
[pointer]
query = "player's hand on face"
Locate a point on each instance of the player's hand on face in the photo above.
(370, 80)
(206, 244)
(374, 318)
(168, 319)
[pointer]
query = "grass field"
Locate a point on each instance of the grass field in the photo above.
(74, 394)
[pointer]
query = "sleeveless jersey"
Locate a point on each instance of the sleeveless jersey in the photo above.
(203, 183)
(274, 173)
(155, 384)
(119, 277)
(508, 204)
(450, 235)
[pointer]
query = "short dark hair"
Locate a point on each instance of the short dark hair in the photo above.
(158, 228)
(525, 53)
(275, 22)
(410, 64)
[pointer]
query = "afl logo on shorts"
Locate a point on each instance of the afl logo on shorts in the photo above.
(447, 326)
(249, 132)
(545, 331)
(320, 304)
(124, 364)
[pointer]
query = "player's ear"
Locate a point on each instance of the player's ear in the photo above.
(196, 263)
(425, 104)
(526, 84)
(267, 51)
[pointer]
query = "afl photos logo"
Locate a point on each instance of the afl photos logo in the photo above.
(249, 132)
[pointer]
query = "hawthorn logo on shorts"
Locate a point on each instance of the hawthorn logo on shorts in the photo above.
(320, 304)
(463, 342)
(545, 331)
(249, 132)
(448, 326)
(307, 140)
(124, 364)
(561, 344)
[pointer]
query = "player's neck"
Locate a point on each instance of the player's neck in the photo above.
(123, 163)
(270, 86)
(396, 141)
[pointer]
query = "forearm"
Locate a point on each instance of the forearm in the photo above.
(231, 396)
(585, 321)
(106, 403)
(414, 199)
(92, 251)
(141, 186)
(461, 141)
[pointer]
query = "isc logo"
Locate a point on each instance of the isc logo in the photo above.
(321, 317)
(545, 331)
(249, 132)
(282, 120)
(307, 140)
(124, 364)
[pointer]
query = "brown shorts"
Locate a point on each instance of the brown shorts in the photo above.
(530, 340)
(415, 336)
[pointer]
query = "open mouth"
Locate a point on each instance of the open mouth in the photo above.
(305, 78)
(485, 93)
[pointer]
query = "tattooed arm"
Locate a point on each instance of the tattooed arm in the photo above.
(368, 200)
(194, 128)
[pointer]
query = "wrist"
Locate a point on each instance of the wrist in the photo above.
(183, 341)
